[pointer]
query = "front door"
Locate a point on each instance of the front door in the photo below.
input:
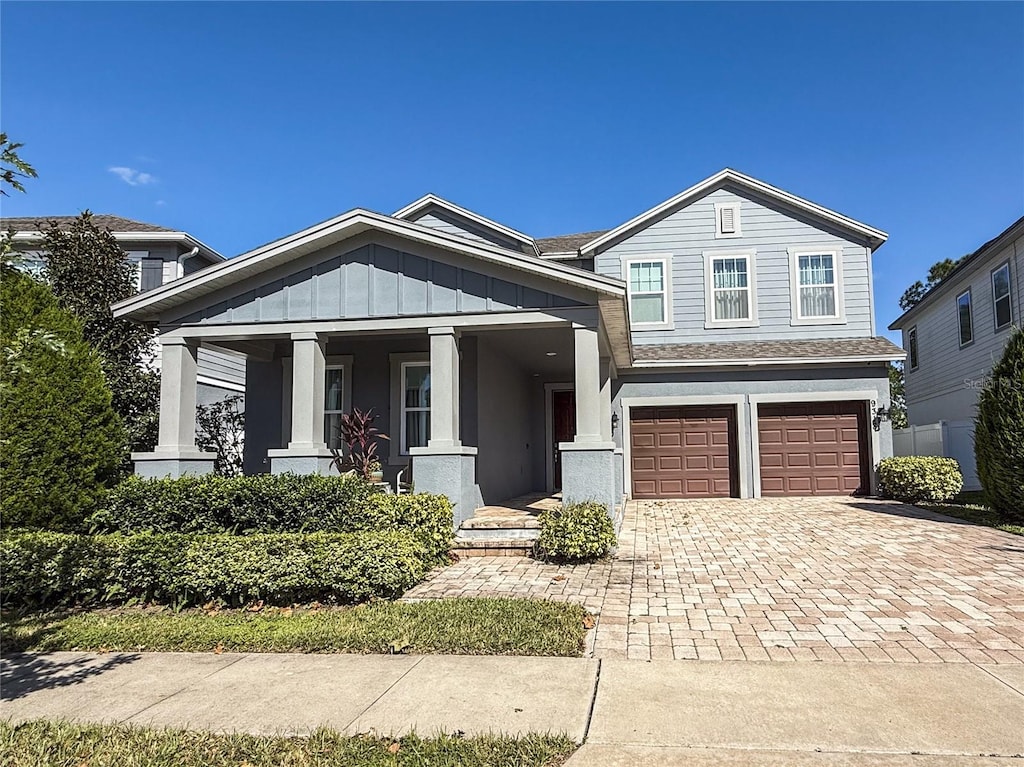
(563, 427)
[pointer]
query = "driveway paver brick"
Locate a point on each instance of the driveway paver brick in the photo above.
(782, 579)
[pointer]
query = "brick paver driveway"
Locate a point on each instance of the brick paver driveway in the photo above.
(789, 579)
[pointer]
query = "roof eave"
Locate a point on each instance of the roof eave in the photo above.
(429, 199)
(770, 361)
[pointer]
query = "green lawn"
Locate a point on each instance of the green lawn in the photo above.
(61, 744)
(450, 626)
(970, 507)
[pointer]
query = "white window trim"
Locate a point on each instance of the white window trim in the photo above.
(344, 364)
(913, 360)
(137, 257)
(839, 318)
(398, 361)
(710, 256)
(1009, 295)
(403, 448)
(666, 260)
(959, 329)
(736, 207)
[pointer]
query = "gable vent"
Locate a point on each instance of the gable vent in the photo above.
(728, 221)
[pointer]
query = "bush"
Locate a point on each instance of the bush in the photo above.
(271, 503)
(919, 478)
(999, 433)
(62, 443)
(44, 569)
(576, 533)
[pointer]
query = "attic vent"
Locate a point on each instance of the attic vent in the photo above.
(727, 217)
(728, 220)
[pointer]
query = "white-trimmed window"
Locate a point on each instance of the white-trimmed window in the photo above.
(816, 276)
(135, 258)
(965, 317)
(1002, 306)
(650, 282)
(727, 220)
(730, 292)
(334, 404)
(415, 405)
(912, 348)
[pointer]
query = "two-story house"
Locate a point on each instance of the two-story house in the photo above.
(953, 337)
(161, 256)
(721, 343)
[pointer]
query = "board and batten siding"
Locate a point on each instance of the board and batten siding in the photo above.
(687, 233)
(373, 281)
(948, 379)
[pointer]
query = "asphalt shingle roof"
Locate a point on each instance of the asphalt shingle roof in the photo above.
(113, 223)
(877, 347)
(564, 243)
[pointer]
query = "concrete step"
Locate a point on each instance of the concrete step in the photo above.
(519, 522)
(492, 547)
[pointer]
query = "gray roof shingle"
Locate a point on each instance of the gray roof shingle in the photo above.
(873, 347)
(565, 243)
(113, 223)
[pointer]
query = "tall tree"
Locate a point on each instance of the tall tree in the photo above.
(88, 272)
(897, 396)
(937, 273)
(12, 168)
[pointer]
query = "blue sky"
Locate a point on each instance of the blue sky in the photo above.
(240, 122)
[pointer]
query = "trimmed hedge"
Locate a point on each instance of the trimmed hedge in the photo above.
(579, 532)
(273, 503)
(62, 569)
(919, 478)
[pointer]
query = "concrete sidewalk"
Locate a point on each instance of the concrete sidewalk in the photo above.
(628, 712)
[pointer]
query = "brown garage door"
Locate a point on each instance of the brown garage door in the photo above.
(813, 448)
(683, 452)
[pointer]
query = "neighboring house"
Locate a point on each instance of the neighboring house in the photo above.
(721, 343)
(161, 256)
(953, 337)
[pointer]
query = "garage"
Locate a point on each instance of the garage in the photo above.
(813, 448)
(683, 452)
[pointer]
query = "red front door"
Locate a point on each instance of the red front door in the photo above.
(563, 426)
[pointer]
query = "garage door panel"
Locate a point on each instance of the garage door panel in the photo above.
(687, 452)
(813, 448)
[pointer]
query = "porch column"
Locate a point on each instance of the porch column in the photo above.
(444, 466)
(176, 452)
(307, 452)
(588, 462)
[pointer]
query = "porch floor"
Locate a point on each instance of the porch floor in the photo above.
(519, 512)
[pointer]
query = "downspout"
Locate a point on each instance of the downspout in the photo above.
(181, 261)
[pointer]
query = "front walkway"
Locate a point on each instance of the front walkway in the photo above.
(788, 579)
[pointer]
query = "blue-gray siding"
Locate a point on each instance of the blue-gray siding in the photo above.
(447, 222)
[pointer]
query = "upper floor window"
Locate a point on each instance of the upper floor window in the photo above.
(817, 286)
(729, 292)
(1001, 306)
(135, 258)
(415, 405)
(965, 318)
(912, 347)
(649, 291)
(727, 220)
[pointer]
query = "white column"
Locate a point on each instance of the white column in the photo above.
(606, 400)
(588, 386)
(308, 369)
(178, 364)
(444, 388)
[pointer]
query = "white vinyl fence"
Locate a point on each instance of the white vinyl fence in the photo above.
(953, 439)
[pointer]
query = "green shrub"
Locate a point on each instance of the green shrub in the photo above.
(60, 569)
(62, 443)
(576, 533)
(919, 478)
(999, 433)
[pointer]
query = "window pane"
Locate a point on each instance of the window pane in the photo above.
(332, 430)
(417, 386)
(966, 324)
(648, 309)
(417, 428)
(816, 270)
(730, 272)
(912, 351)
(1001, 283)
(335, 382)
(732, 305)
(1003, 312)
(646, 277)
(818, 302)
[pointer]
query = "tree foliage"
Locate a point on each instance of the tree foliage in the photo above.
(220, 428)
(88, 272)
(12, 168)
(937, 273)
(999, 433)
(62, 442)
(897, 396)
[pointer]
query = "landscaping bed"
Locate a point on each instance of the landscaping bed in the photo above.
(62, 744)
(479, 626)
(970, 507)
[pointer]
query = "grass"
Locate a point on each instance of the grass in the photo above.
(970, 507)
(62, 744)
(450, 626)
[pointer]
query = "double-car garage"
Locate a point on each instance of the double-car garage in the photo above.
(802, 448)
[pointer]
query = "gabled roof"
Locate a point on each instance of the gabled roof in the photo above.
(996, 244)
(728, 176)
(836, 350)
(566, 243)
(150, 304)
(427, 201)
